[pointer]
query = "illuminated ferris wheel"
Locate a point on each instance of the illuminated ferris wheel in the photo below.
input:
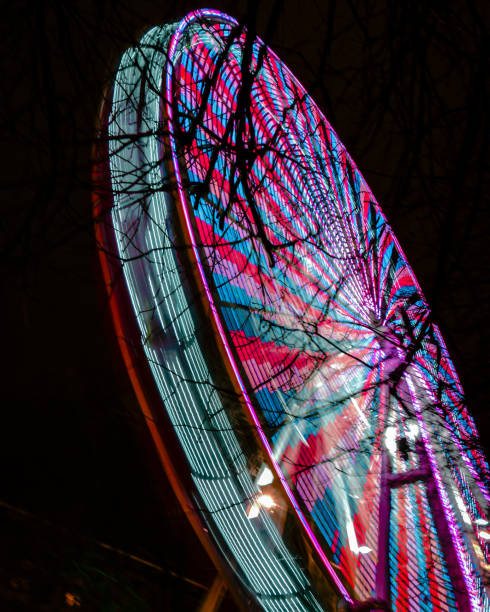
(299, 393)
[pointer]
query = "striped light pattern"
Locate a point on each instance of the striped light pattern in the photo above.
(216, 462)
(422, 581)
(324, 326)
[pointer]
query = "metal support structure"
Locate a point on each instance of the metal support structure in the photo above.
(382, 567)
(214, 596)
(442, 528)
(390, 481)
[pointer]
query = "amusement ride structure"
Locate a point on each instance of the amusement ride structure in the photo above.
(299, 393)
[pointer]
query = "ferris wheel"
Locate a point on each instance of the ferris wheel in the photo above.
(281, 348)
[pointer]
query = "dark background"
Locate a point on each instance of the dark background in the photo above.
(405, 84)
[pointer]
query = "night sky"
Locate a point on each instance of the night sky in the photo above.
(405, 85)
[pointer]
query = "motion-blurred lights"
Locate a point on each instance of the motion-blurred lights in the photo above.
(413, 431)
(364, 550)
(390, 439)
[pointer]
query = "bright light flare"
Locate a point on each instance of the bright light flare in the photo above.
(266, 501)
